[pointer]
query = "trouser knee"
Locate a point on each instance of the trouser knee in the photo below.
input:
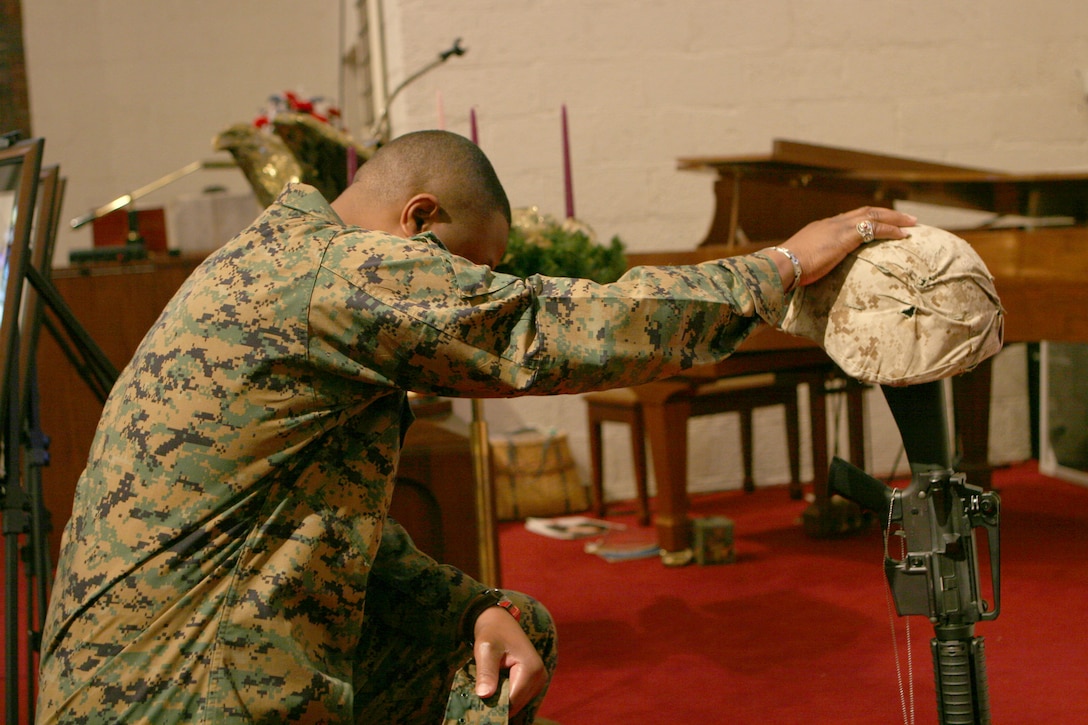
(538, 624)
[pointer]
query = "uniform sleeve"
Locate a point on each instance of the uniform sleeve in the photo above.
(422, 319)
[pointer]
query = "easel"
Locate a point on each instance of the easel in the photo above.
(24, 511)
(25, 446)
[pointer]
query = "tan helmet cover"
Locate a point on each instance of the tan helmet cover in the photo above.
(906, 311)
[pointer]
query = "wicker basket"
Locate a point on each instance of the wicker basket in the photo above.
(535, 475)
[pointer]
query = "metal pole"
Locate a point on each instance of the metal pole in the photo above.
(487, 536)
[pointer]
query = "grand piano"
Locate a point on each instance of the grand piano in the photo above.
(1034, 240)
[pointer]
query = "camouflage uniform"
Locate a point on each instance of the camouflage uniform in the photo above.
(228, 522)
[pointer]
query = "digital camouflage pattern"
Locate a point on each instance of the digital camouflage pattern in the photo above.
(231, 516)
(465, 707)
(402, 678)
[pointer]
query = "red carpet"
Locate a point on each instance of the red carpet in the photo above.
(797, 630)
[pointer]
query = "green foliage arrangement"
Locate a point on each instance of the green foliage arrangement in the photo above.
(541, 245)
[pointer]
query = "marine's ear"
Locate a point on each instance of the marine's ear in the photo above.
(419, 214)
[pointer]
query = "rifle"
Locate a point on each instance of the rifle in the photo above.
(938, 576)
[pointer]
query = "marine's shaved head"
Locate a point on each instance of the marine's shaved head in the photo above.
(445, 164)
(432, 181)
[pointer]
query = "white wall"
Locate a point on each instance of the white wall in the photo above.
(125, 91)
(979, 83)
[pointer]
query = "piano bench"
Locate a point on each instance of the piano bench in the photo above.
(726, 395)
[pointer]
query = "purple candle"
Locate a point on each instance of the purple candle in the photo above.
(353, 163)
(567, 186)
(473, 133)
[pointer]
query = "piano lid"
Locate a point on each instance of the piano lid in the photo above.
(769, 197)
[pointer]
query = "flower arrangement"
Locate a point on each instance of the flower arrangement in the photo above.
(291, 102)
(539, 244)
(295, 138)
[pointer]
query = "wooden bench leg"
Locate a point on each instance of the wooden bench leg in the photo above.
(638, 449)
(596, 469)
(817, 405)
(746, 449)
(793, 444)
(855, 407)
(793, 441)
(666, 424)
(632, 417)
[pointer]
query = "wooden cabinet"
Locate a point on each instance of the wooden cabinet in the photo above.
(435, 498)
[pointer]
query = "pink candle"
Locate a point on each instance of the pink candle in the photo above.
(353, 164)
(473, 133)
(567, 186)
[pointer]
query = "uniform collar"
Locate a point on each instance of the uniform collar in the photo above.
(308, 200)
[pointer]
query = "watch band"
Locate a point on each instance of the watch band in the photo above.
(485, 600)
(510, 607)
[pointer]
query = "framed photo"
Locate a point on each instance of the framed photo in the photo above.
(20, 169)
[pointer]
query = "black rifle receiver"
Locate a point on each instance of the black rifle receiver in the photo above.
(938, 576)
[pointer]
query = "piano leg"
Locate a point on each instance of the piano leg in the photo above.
(666, 426)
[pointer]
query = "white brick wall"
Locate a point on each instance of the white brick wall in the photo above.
(646, 82)
(126, 91)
